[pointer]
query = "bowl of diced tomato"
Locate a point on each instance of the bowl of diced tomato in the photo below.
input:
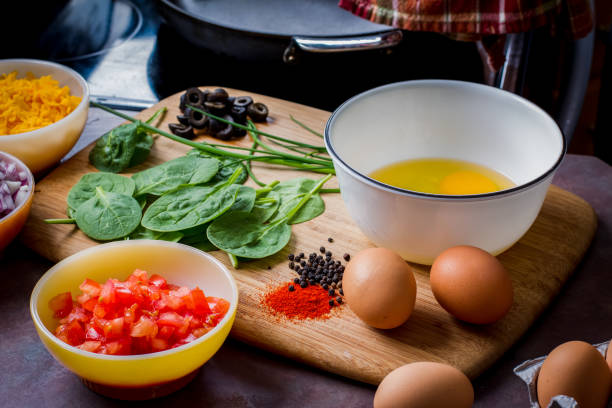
(135, 319)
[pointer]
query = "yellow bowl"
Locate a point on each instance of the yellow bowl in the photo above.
(12, 223)
(41, 148)
(180, 265)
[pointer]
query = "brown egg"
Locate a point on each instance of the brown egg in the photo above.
(424, 385)
(578, 370)
(379, 287)
(471, 284)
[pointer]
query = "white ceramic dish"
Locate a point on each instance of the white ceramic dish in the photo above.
(443, 119)
(41, 148)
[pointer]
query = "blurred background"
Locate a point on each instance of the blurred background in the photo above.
(135, 52)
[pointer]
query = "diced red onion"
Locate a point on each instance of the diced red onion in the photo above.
(14, 188)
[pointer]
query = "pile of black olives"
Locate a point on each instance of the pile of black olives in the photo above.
(218, 103)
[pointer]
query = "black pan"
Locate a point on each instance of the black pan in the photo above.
(273, 29)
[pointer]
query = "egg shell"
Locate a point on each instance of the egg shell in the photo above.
(379, 287)
(578, 370)
(609, 355)
(471, 284)
(424, 385)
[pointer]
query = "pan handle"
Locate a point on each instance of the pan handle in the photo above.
(341, 44)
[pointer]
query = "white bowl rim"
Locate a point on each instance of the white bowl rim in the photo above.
(31, 183)
(442, 197)
(46, 276)
(84, 99)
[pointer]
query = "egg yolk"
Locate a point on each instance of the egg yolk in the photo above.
(467, 182)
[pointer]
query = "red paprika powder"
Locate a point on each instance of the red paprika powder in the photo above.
(311, 302)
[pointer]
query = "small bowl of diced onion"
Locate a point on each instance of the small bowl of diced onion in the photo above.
(16, 194)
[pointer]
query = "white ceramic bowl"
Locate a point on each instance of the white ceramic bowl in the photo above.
(41, 148)
(443, 119)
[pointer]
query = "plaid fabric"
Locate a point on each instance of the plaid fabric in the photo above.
(481, 17)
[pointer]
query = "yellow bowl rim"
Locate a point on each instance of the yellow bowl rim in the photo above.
(37, 289)
(84, 100)
(30, 182)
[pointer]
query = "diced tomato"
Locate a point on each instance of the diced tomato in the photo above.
(170, 319)
(145, 326)
(107, 293)
(90, 287)
(200, 331)
(93, 334)
(158, 281)
(71, 333)
(135, 316)
(113, 329)
(138, 276)
(200, 303)
(165, 332)
(158, 344)
(92, 346)
(61, 304)
(218, 305)
(119, 347)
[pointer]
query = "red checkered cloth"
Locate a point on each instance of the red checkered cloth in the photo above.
(479, 17)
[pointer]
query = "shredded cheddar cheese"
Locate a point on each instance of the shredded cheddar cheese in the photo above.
(30, 103)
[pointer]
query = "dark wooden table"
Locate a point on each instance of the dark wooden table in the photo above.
(242, 376)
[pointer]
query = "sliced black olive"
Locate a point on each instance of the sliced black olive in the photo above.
(230, 100)
(238, 132)
(193, 96)
(244, 101)
(216, 108)
(214, 125)
(218, 95)
(239, 114)
(258, 112)
(197, 120)
(182, 130)
(183, 119)
(226, 132)
(182, 103)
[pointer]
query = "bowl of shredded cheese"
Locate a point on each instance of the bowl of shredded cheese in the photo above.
(43, 110)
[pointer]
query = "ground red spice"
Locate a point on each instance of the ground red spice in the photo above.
(311, 302)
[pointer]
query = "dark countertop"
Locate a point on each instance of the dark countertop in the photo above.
(242, 376)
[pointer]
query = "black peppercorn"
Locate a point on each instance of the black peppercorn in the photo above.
(339, 300)
(328, 253)
(347, 257)
(301, 255)
(303, 284)
(296, 280)
(331, 302)
(291, 256)
(324, 286)
(330, 239)
(291, 265)
(322, 249)
(341, 292)
(291, 288)
(331, 292)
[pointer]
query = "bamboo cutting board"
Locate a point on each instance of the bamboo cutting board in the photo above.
(539, 264)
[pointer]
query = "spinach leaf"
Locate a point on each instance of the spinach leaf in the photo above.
(143, 142)
(245, 235)
(191, 206)
(114, 150)
(182, 171)
(108, 216)
(196, 237)
(291, 192)
(143, 233)
(86, 188)
(266, 205)
(245, 199)
(226, 169)
(242, 234)
(125, 146)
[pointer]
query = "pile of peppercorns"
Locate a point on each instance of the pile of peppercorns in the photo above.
(319, 269)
